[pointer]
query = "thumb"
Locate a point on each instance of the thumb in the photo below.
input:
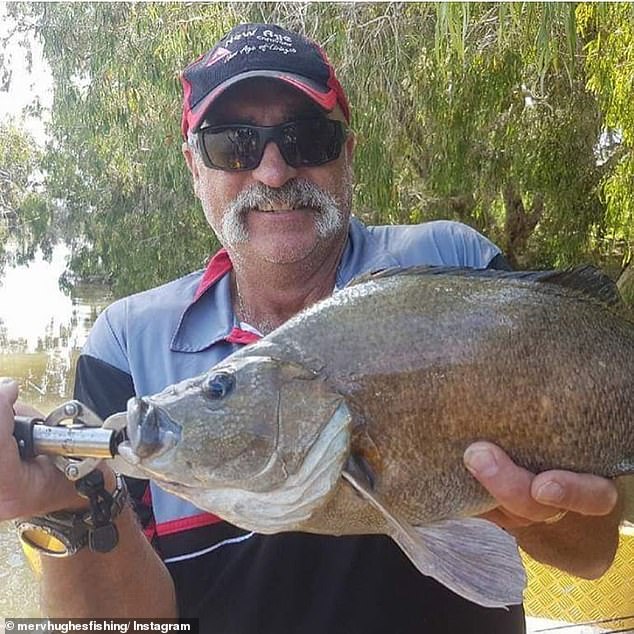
(8, 395)
(9, 405)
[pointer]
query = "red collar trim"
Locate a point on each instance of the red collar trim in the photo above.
(237, 335)
(186, 523)
(217, 267)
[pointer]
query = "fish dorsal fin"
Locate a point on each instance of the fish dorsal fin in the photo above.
(587, 280)
(472, 557)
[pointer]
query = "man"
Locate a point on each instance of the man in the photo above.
(270, 155)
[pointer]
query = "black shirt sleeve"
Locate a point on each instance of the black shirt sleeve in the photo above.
(101, 387)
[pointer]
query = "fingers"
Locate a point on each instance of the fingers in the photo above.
(9, 457)
(8, 396)
(10, 470)
(509, 484)
(26, 487)
(23, 409)
(525, 498)
(579, 492)
(8, 393)
(8, 400)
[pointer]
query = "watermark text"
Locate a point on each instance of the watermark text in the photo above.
(122, 626)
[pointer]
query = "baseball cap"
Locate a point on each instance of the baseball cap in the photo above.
(259, 50)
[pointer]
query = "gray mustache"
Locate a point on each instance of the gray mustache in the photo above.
(296, 193)
(292, 194)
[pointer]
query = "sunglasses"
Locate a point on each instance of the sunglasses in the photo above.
(303, 143)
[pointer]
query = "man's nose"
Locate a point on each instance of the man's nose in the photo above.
(273, 170)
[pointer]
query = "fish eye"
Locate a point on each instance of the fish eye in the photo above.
(218, 385)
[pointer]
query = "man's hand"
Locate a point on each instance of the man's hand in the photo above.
(566, 519)
(32, 487)
(526, 498)
(113, 584)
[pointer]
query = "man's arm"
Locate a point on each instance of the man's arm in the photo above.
(583, 542)
(129, 581)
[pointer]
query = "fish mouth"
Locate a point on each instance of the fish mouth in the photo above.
(151, 430)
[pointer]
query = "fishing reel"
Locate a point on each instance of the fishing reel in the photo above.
(72, 433)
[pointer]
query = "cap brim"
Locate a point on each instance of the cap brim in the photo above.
(327, 100)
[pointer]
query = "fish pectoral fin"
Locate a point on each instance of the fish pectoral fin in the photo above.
(472, 557)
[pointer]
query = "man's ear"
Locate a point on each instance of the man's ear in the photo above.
(192, 164)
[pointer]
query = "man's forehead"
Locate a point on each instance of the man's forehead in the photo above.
(246, 99)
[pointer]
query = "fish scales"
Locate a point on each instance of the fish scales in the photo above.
(545, 373)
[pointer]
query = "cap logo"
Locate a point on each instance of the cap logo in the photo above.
(282, 39)
(218, 55)
(270, 41)
(239, 36)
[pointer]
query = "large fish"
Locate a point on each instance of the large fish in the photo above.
(353, 417)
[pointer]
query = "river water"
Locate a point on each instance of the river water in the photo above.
(42, 330)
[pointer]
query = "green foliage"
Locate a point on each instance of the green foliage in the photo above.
(610, 64)
(486, 113)
(22, 223)
(17, 162)
(625, 284)
(114, 161)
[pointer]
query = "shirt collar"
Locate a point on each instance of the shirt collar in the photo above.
(219, 265)
(209, 318)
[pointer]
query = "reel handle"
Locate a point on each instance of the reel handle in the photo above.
(23, 433)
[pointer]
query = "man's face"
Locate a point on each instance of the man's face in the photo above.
(276, 212)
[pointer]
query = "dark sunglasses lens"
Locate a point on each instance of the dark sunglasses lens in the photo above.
(236, 148)
(311, 141)
(304, 142)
